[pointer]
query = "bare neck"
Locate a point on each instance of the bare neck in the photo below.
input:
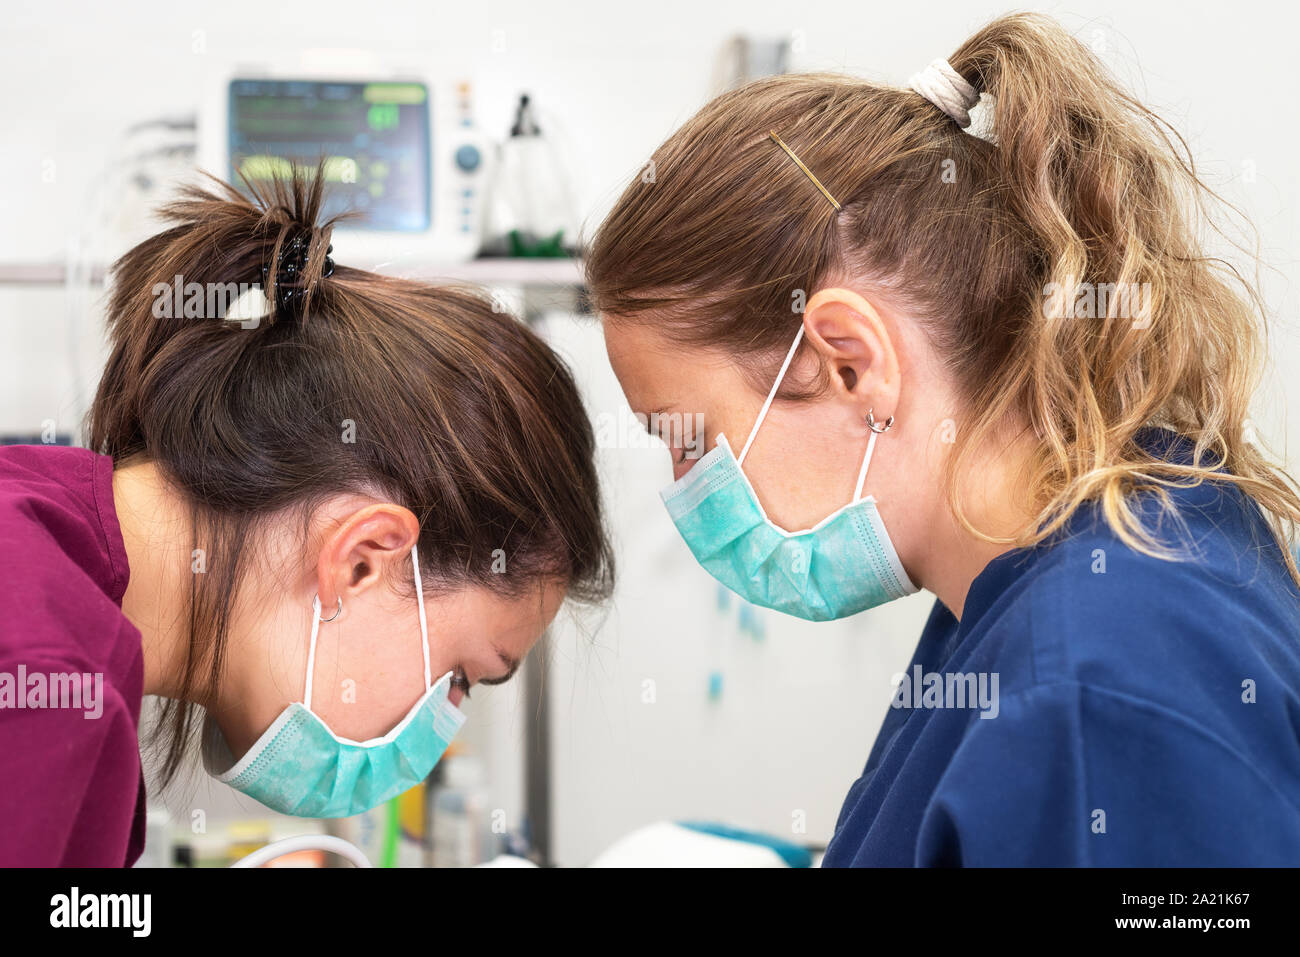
(156, 531)
(992, 495)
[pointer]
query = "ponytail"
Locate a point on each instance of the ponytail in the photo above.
(1136, 326)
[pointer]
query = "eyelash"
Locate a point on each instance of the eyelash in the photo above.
(459, 680)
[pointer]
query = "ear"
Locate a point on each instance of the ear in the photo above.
(855, 347)
(370, 543)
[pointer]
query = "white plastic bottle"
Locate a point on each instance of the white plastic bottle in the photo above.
(461, 818)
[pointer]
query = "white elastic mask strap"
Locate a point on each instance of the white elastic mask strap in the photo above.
(762, 413)
(866, 460)
(424, 625)
(311, 649)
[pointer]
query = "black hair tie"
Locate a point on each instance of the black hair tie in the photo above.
(291, 266)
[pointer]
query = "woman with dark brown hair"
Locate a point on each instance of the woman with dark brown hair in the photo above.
(382, 488)
(1014, 324)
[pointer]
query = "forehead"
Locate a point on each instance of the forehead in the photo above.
(650, 362)
(659, 372)
(635, 342)
(495, 627)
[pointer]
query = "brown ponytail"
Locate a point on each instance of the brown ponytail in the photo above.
(422, 394)
(1085, 190)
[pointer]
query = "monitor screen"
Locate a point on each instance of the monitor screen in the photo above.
(374, 138)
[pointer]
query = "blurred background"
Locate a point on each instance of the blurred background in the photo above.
(679, 703)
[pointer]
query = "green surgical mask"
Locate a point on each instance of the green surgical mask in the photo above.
(299, 766)
(843, 565)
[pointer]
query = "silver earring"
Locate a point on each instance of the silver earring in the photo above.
(871, 423)
(338, 611)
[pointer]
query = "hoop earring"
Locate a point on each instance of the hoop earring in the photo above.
(871, 424)
(337, 611)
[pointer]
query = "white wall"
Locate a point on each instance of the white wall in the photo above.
(799, 708)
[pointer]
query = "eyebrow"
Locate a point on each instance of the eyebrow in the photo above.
(511, 663)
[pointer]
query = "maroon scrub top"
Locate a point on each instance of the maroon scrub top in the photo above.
(71, 666)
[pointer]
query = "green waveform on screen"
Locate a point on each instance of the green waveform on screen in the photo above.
(383, 116)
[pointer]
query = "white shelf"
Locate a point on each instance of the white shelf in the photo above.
(505, 272)
(484, 272)
(36, 274)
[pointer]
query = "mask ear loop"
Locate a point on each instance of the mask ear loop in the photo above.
(866, 460)
(876, 430)
(789, 357)
(316, 619)
(424, 625)
(311, 650)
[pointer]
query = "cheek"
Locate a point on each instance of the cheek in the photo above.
(369, 685)
(735, 419)
(367, 711)
(800, 474)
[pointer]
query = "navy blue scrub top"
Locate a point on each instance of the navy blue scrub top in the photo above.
(1148, 711)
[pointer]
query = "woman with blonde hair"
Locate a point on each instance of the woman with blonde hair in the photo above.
(988, 359)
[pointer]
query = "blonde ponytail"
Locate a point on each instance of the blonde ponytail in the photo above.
(1113, 204)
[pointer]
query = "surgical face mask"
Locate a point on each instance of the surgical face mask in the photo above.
(299, 766)
(843, 565)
